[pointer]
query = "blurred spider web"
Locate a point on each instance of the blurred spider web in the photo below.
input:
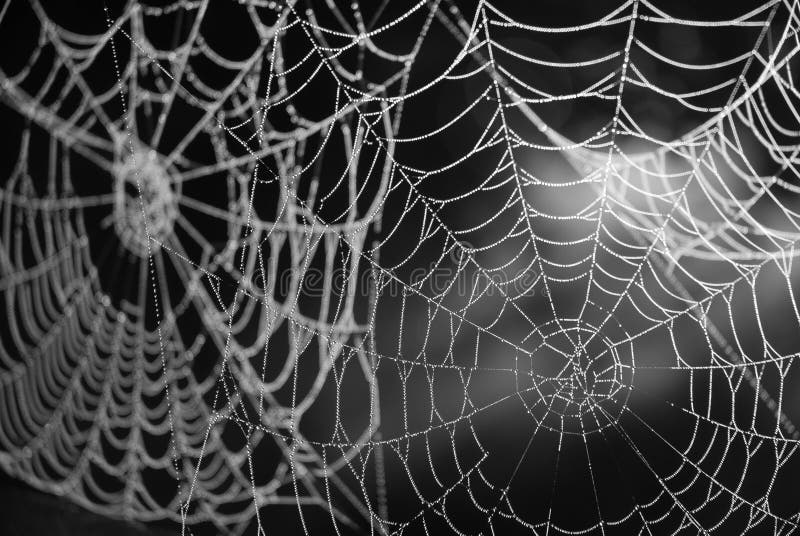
(560, 299)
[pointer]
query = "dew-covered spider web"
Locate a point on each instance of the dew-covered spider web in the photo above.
(425, 267)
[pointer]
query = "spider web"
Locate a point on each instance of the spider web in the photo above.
(438, 267)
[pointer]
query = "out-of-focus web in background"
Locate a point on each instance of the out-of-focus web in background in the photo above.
(635, 298)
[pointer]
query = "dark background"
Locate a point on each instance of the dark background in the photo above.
(26, 511)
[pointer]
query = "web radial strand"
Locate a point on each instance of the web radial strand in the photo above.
(433, 268)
